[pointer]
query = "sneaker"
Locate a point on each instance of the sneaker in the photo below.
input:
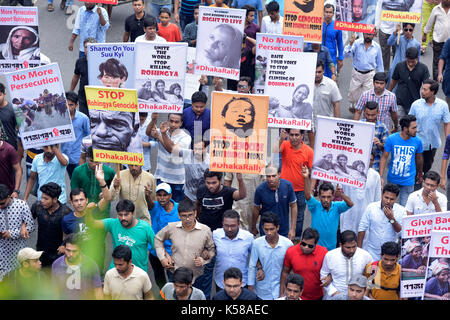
(50, 7)
(69, 10)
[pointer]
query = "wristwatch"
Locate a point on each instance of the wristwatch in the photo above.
(392, 221)
(17, 191)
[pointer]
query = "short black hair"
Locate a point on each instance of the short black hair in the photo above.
(248, 8)
(125, 205)
(165, 10)
(320, 63)
(197, 6)
(326, 186)
(51, 189)
(210, 174)
(74, 239)
(122, 252)
(371, 105)
(295, 278)
(90, 153)
(138, 0)
(329, 5)
(432, 175)
(434, 85)
(186, 205)
(183, 275)
(72, 96)
(150, 21)
(248, 80)
(405, 121)
(311, 233)
(199, 96)
(231, 214)
(270, 217)
(393, 188)
(380, 76)
(77, 191)
(348, 236)
(233, 273)
(412, 53)
(2, 88)
(272, 6)
(390, 248)
(405, 24)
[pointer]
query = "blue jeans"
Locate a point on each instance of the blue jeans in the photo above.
(177, 190)
(36, 184)
(157, 7)
(301, 205)
(405, 191)
(204, 282)
(185, 20)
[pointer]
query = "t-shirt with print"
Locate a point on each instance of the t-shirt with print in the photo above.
(214, 205)
(402, 168)
(72, 224)
(137, 238)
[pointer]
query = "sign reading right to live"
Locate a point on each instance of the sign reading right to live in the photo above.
(342, 151)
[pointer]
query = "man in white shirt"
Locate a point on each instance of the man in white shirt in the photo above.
(427, 199)
(382, 219)
(273, 22)
(342, 263)
(294, 287)
(126, 281)
(150, 29)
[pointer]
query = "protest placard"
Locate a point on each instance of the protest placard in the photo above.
(160, 76)
(304, 18)
(191, 83)
(219, 42)
(39, 102)
(290, 85)
(267, 44)
(238, 132)
(342, 151)
(19, 38)
(401, 10)
(114, 115)
(436, 286)
(356, 15)
(111, 65)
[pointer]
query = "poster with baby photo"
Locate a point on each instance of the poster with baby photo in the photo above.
(356, 15)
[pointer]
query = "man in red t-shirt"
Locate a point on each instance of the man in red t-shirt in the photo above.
(294, 154)
(10, 169)
(306, 260)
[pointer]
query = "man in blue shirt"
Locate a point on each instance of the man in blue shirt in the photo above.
(325, 214)
(278, 196)
(81, 128)
(197, 118)
(323, 54)
(332, 39)
(406, 164)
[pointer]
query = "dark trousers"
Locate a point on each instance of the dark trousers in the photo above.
(204, 282)
(185, 20)
(437, 49)
(385, 49)
(158, 270)
(70, 167)
(428, 158)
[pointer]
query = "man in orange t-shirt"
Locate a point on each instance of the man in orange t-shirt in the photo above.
(294, 154)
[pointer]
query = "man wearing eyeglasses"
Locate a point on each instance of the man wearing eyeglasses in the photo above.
(305, 259)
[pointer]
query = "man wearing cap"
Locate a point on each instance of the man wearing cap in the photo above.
(357, 287)
(162, 211)
(21, 283)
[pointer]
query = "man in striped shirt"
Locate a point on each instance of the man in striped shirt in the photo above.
(184, 11)
(387, 102)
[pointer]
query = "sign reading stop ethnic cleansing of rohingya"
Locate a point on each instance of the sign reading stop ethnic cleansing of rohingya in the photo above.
(114, 115)
(416, 233)
(290, 85)
(342, 151)
(401, 10)
(238, 132)
(267, 44)
(39, 102)
(304, 18)
(19, 38)
(219, 42)
(160, 76)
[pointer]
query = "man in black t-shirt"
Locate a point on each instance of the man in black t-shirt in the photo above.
(134, 24)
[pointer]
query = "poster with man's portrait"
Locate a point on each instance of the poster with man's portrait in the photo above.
(39, 102)
(160, 75)
(290, 85)
(219, 42)
(238, 132)
(304, 18)
(114, 115)
(401, 10)
(342, 151)
(19, 38)
(356, 15)
(111, 65)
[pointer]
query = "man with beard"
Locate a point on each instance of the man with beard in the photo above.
(127, 230)
(49, 166)
(367, 59)
(342, 264)
(126, 281)
(239, 116)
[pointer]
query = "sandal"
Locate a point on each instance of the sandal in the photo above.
(50, 7)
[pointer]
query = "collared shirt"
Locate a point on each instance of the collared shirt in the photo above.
(325, 94)
(429, 119)
(81, 128)
(380, 229)
(272, 260)
(87, 24)
(186, 245)
(387, 103)
(232, 253)
(409, 82)
(342, 268)
(365, 60)
(160, 219)
(382, 133)
(52, 171)
(383, 279)
(268, 26)
(134, 26)
(132, 287)
(196, 125)
(441, 22)
(417, 205)
(134, 190)
(11, 219)
(308, 266)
